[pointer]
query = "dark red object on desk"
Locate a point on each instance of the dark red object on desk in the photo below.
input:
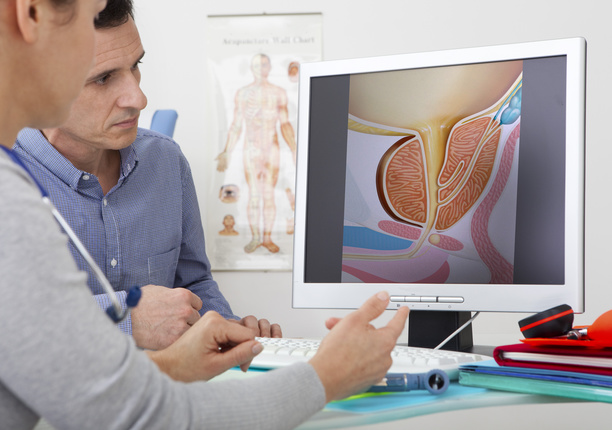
(571, 359)
(586, 349)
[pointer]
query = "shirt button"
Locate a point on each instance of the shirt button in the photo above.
(86, 177)
(113, 262)
(104, 202)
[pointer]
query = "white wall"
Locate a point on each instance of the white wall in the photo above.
(173, 33)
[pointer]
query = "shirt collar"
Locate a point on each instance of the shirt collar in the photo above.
(129, 160)
(36, 145)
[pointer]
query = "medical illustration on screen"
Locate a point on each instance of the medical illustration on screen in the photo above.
(431, 179)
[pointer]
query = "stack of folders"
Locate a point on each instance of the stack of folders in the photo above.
(576, 372)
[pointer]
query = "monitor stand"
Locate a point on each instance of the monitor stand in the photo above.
(427, 329)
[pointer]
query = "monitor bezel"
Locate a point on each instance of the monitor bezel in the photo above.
(507, 298)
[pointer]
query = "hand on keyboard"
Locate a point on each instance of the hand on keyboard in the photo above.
(355, 355)
(210, 347)
(406, 359)
(261, 327)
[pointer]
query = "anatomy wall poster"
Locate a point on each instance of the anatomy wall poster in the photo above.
(253, 66)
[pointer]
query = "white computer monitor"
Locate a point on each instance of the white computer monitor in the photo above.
(452, 179)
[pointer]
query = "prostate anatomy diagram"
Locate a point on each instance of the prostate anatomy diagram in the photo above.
(431, 179)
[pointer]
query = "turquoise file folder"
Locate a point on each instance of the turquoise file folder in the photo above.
(573, 385)
(377, 402)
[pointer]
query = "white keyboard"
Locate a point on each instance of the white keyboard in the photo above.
(280, 352)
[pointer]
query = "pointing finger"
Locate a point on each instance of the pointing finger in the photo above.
(373, 307)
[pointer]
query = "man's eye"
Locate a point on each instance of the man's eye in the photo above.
(102, 80)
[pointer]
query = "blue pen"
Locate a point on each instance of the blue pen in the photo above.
(435, 381)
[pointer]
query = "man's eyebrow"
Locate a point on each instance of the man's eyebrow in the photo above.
(111, 71)
(140, 58)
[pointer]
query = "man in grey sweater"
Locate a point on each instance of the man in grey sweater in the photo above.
(61, 357)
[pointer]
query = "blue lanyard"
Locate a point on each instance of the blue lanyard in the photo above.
(11, 153)
(115, 312)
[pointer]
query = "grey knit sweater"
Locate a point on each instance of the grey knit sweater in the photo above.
(61, 358)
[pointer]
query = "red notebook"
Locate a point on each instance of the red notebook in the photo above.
(571, 359)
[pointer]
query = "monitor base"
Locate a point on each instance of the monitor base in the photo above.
(427, 329)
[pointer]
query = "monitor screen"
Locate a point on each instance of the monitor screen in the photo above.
(453, 179)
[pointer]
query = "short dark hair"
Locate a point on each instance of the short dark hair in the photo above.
(116, 13)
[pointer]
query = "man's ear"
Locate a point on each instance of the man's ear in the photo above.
(29, 18)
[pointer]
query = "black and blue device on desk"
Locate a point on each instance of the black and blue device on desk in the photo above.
(435, 381)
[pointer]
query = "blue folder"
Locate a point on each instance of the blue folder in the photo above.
(575, 385)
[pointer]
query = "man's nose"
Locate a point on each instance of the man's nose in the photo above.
(131, 95)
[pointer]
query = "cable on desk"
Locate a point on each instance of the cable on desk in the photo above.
(468, 322)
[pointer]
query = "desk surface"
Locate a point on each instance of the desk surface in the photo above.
(363, 411)
(330, 419)
(458, 398)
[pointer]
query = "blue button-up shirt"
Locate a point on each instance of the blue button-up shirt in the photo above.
(145, 230)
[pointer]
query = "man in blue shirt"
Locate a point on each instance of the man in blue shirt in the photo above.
(129, 195)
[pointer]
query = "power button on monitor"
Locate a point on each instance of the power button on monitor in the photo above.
(450, 299)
